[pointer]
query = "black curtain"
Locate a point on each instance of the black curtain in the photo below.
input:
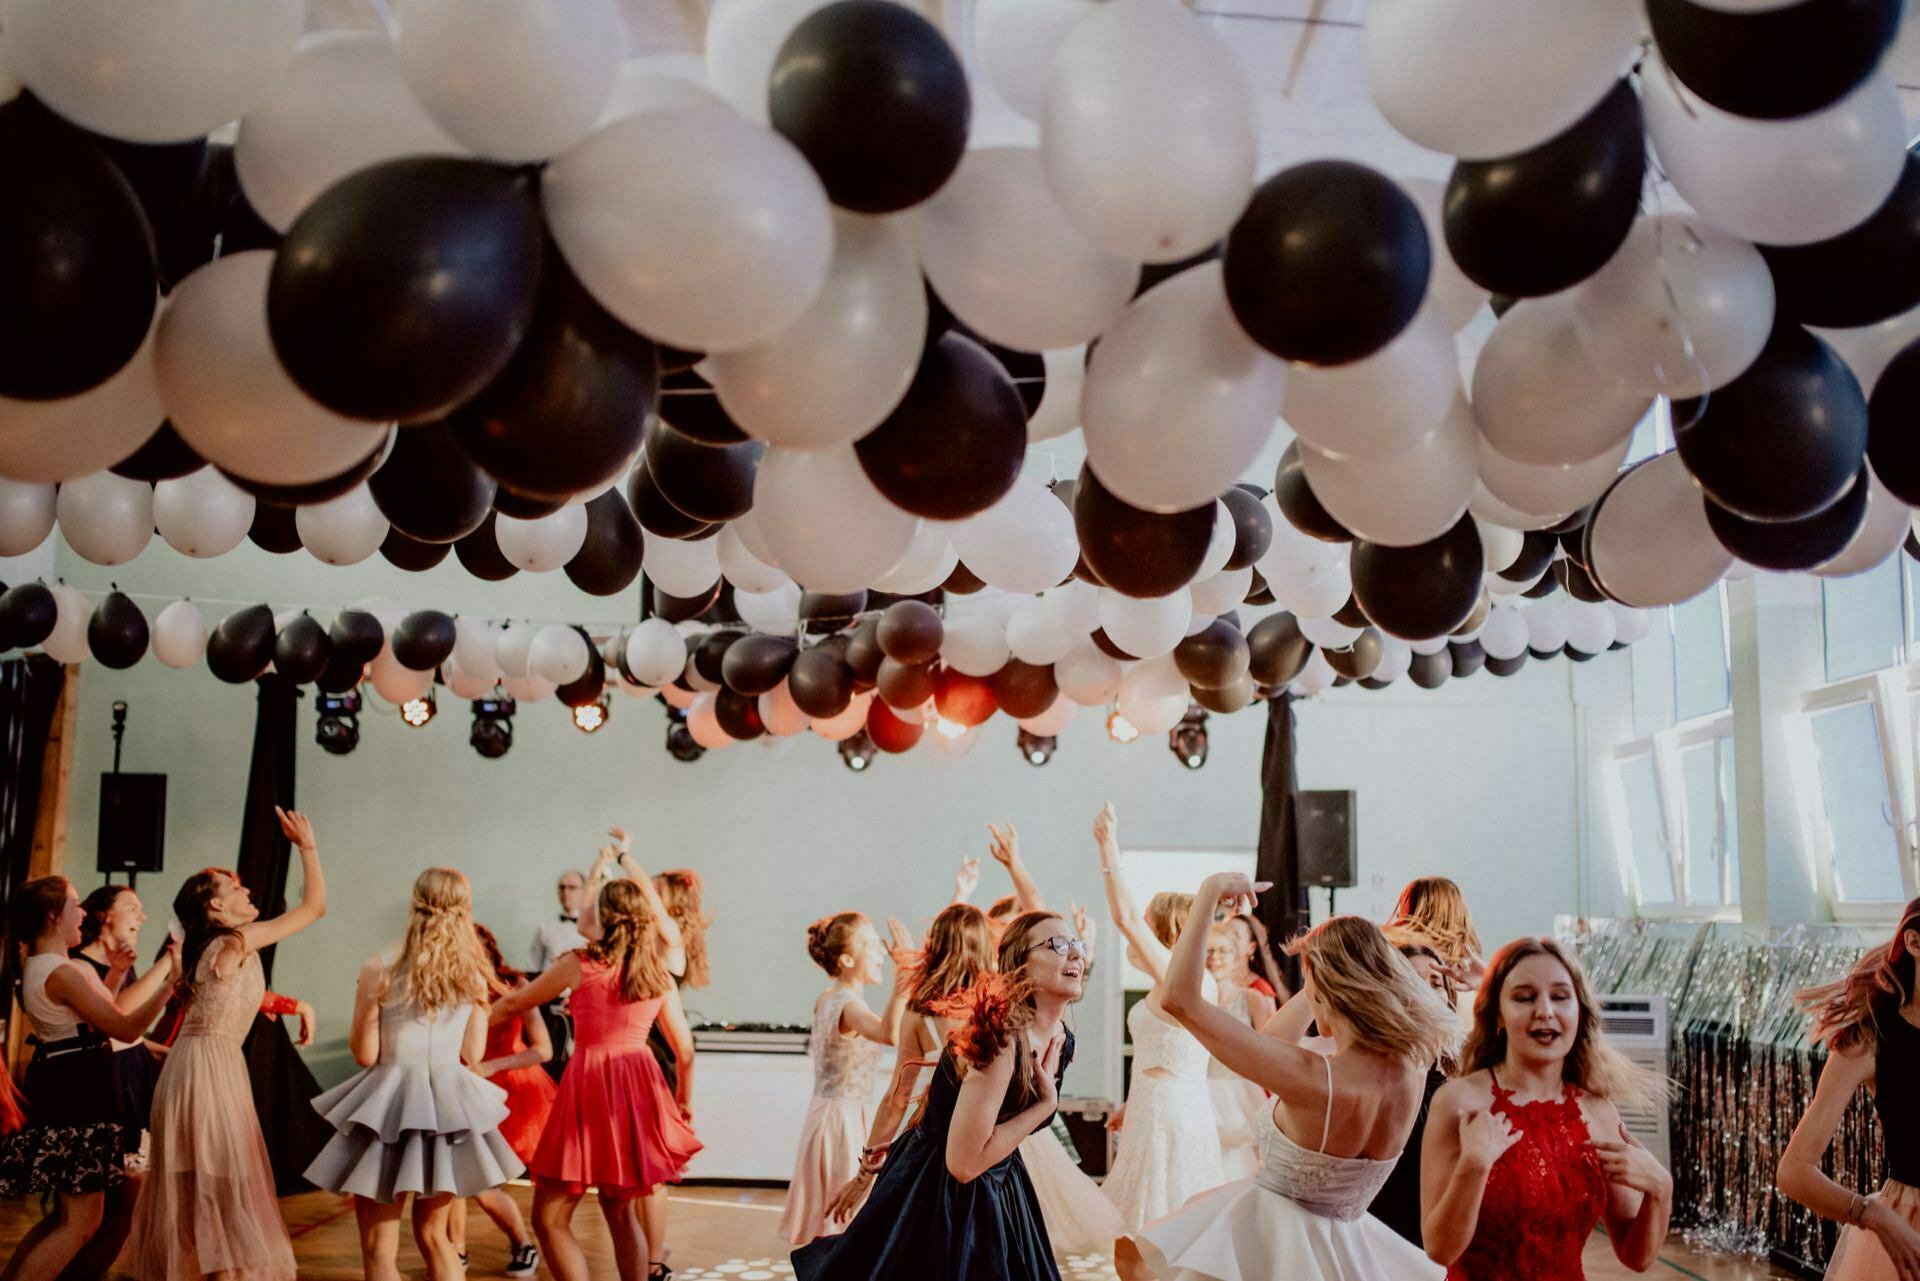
(1283, 909)
(29, 694)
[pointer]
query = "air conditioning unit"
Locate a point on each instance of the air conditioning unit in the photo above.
(1637, 1026)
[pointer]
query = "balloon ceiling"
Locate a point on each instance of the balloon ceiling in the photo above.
(769, 330)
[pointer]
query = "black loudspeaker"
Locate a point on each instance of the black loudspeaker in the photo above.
(133, 822)
(1326, 839)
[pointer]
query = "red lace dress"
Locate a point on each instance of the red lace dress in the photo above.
(530, 1090)
(1544, 1196)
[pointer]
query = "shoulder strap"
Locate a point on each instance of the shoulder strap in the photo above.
(1326, 1126)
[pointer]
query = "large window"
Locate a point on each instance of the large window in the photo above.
(1674, 823)
(1856, 789)
(1865, 620)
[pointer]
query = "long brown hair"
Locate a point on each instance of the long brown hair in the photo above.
(680, 890)
(959, 949)
(1365, 980)
(630, 942)
(1435, 907)
(490, 947)
(1593, 1064)
(1845, 1012)
(199, 931)
(32, 909)
(999, 1007)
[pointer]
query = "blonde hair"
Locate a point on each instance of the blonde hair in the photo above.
(1434, 907)
(629, 942)
(1371, 987)
(1167, 915)
(441, 962)
(829, 938)
(1593, 1064)
(680, 891)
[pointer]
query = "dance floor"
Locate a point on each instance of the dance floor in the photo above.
(733, 1234)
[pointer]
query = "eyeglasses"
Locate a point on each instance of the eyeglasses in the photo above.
(1065, 946)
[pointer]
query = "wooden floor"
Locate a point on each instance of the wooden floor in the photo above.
(733, 1234)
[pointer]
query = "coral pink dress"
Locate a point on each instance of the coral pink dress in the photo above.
(208, 1204)
(530, 1091)
(614, 1124)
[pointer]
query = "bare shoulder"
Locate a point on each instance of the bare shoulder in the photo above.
(1470, 1093)
(1602, 1117)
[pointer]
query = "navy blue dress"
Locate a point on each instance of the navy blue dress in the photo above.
(921, 1222)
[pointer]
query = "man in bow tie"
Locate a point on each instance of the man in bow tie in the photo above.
(551, 941)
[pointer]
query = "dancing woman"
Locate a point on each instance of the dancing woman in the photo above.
(1398, 1202)
(953, 1202)
(1525, 1151)
(1869, 1023)
(1434, 908)
(1237, 1102)
(681, 893)
(109, 946)
(1338, 1122)
(208, 1205)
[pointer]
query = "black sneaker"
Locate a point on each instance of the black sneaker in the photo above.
(660, 1272)
(463, 1263)
(525, 1261)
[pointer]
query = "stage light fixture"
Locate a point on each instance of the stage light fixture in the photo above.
(1037, 748)
(338, 727)
(680, 742)
(1188, 739)
(856, 753)
(418, 711)
(1119, 728)
(589, 717)
(492, 732)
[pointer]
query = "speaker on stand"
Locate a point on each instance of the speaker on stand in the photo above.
(1326, 841)
(133, 814)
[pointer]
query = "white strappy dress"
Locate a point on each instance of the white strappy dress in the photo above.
(1302, 1218)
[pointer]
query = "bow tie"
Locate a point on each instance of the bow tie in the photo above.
(570, 920)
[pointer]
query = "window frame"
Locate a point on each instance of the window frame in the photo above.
(1888, 693)
(1664, 748)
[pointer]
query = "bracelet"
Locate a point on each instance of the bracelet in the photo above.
(273, 1005)
(1857, 1209)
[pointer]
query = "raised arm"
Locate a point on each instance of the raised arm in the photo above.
(1291, 1021)
(555, 979)
(1146, 949)
(597, 876)
(83, 993)
(158, 978)
(1005, 845)
(313, 888)
(965, 881)
(976, 1140)
(884, 1029)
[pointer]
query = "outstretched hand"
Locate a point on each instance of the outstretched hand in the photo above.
(900, 944)
(1106, 828)
(966, 879)
(297, 827)
(1234, 892)
(1083, 925)
(622, 843)
(1004, 843)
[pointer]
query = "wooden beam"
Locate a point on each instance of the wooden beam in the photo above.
(56, 781)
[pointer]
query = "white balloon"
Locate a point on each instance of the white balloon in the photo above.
(832, 529)
(1148, 130)
(1023, 543)
(202, 514)
(703, 722)
(1220, 542)
(1630, 624)
(835, 373)
(658, 82)
(929, 559)
(1329, 634)
(1003, 256)
(1590, 627)
(1682, 309)
(1178, 356)
(1293, 559)
(1449, 292)
(1087, 676)
(1536, 487)
(1223, 591)
(1505, 633)
(1780, 182)
(694, 227)
(656, 654)
(475, 648)
(774, 611)
(747, 572)
(1037, 634)
(107, 519)
(1485, 78)
(1015, 41)
(1381, 404)
(464, 684)
(1649, 540)
(1506, 587)
(1485, 506)
(1886, 527)
(1051, 722)
(1154, 695)
(67, 643)
(516, 80)
(1548, 623)
(226, 392)
(1078, 605)
(547, 542)
(1537, 395)
(681, 567)
(345, 530)
(743, 38)
(180, 634)
(340, 107)
(1406, 497)
(781, 715)
(839, 728)
(1321, 595)
(513, 648)
(1145, 628)
(975, 646)
(157, 71)
(396, 682)
(1501, 545)
(1396, 659)
(54, 440)
(1059, 409)
(1316, 677)
(527, 689)
(1428, 646)
(558, 654)
(26, 516)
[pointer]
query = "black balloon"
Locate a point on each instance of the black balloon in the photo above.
(302, 651)
(117, 631)
(1351, 615)
(318, 491)
(1507, 666)
(738, 715)
(1104, 643)
(77, 285)
(1546, 587)
(910, 632)
(609, 560)
(429, 488)
(1576, 581)
(1138, 553)
(689, 404)
(589, 685)
(1276, 649)
(1214, 657)
(242, 645)
(1328, 262)
(1421, 591)
(1777, 63)
(962, 581)
(863, 654)
(1783, 440)
(1893, 435)
(1478, 617)
(1359, 660)
(1027, 369)
(357, 636)
(1468, 657)
(904, 685)
(954, 445)
(1299, 504)
(1259, 593)
(1543, 220)
(1154, 273)
(170, 180)
(28, 613)
(756, 663)
(340, 675)
(164, 457)
(1786, 545)
(656, 514)
(1229, 698)
(875, 99)
(1024, 689)
(681, 609)
(1252, 526)
(480, 553)
(423, 640)
(566, 414)
(825, 612)
(407, 286)
(508, 502)
(821, 684)
(273, 529)
(710, 654)
(1536, 553)
(1430, 671)
(707, 483)
(411, 554)
(1860, 277)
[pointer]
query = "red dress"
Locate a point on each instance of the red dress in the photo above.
(614, 1123)
(1544, 1196)
(530, 1090)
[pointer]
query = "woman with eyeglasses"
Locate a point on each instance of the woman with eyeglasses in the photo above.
(953, 1201)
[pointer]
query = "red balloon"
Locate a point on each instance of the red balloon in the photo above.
(888, 732)
(963, 699)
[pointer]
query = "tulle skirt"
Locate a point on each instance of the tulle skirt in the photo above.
(1079, 1218)
(614, 1127)
(208, 1204)
(830, 1142)
(1859, 1256)
(1242, 1232)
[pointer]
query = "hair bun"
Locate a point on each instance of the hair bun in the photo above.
(817, 935)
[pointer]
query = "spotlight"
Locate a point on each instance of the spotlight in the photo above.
(680, 739)
(1037, 748)
(1119, 728)
(492, 732)
(1188, 739)
(948, 729)
(856, 753)
(589, 717)
(418, 711)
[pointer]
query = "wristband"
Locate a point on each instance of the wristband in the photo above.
(273, 1005)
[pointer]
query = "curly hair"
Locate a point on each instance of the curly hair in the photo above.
(630, 942)
(1847, 1012)
(829, 938)
(999, 1007)
(958, 950)
(441, 962)
(1373, 989)
(680, 890)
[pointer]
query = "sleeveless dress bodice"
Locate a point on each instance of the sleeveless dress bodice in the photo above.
(1159, 1043)
(1544, 1196)
(604, 1026)
(224, 1008)
(843, 1066)
(1335, 1187)
(1896, 1060)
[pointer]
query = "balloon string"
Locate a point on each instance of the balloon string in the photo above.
(709, 392)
